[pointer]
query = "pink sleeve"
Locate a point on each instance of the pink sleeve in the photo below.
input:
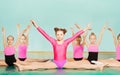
(52, 40)
(74, 37)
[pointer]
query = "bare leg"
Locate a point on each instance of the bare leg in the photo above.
(83, 64)
(36, 60)
(36, 65)
(28, 61)
(111, 62)
(22, 62)
(2, 63)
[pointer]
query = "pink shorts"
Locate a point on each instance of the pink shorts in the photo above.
(60, 64)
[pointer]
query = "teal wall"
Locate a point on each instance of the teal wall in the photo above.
(59, 13)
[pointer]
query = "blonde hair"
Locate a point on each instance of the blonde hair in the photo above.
(10, 36)
(118, 36)
(24, 36)
(92, 34)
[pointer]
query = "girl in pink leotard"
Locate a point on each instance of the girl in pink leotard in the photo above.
(23, 43)
(93, 46)
(59, 44)
(116, 43)
(9, 48)
(78, 45)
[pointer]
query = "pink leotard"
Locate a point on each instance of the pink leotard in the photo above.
(9, 50)
(93, 48)
(60, 64)
(118, 52)
(78, 51)
(22, 51)
(59, 49)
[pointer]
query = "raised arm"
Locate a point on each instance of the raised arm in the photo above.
(19, 35)
(27, 33)
(77, 34)
(101, 34)
(84, 39)
(4, 37)
(73, 42)
(28, 30)
(85, 34)
(78, 26)
(114, 37)
(18, 29)
(52, 40)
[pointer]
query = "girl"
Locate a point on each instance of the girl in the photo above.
(116, 43)
(114, 62)
(22, 47)
(60, 47)
(78, 45)
(23, 43)
(93, 46)
(9, 48)
(59, 44)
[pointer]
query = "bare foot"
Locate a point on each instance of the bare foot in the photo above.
(101, 66)
(19, 67)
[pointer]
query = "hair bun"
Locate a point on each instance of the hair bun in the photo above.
(56, 29)
(92, 33)
(60, 29)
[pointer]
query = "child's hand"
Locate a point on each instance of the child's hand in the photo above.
(29, 26)
(72, 29)
(24, 30)
(88, 27)
(18, 25)
(84, 35)
(3, 29)
(34, 23)
(106, 25)
(110, 29)
(78, 26)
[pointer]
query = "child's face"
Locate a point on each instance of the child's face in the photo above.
(78, 39)
(59, 35)
(10, 40)
(23, 39)
(92, 39)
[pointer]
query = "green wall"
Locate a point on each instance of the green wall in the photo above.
(59, 13)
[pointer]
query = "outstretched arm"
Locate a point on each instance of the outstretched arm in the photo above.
(4, 37)
(43, 32)
(113, 34)
(101, 34)
(78, 34)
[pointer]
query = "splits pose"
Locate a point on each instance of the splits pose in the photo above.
(78, 45)
(93, 46)
(59, 44)
(59, 49)
(10, 47)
